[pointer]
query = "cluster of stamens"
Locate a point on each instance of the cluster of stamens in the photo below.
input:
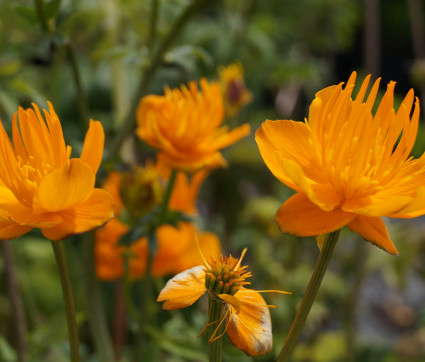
(225, 276)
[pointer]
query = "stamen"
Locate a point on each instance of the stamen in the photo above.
(240, 259)
(200, 251)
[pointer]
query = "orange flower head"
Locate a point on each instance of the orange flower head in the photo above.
(41, 186)
(348, 165)
(235, 94)
(184, 125)
(246, 314)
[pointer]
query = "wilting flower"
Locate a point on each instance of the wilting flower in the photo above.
(246, 315)
(176, 246)
(235, 94)
(41, 186)
(184, 125)
(348, 166)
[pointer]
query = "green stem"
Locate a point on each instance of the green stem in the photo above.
(149, 74)
(68, 300)
(152, 24)
(215, 330)
(16, 301)
(309, 296)
(166, 199)
(40, 9)
(96, 310)
(82, 100)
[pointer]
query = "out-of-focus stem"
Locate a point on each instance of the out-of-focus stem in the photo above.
(309, 297)
(68, 299)
(96, 312)
(82, 100)
(16, 301)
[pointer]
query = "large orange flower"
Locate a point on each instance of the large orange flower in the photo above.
(184, 125)
(247, 316)
(176, 249)
(41, 186)
(348, 166)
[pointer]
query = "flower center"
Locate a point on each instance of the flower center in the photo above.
(225, 276)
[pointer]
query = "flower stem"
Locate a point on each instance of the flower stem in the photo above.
(16, 301)
(166, 199)
(309, 296)
(68, 300)
(215, 330)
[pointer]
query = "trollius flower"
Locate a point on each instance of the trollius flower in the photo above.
(246, 315)
(41, 186)
(184, 125)
(348, 166)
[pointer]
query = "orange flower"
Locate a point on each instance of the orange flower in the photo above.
(235, 94)
(184, 125)
(246, 315)
(176, 245)
(41, 186)
(348, 166)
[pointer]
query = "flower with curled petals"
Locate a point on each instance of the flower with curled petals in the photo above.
(184, 125)
(41, 186)
(349, 166)
(246, 315)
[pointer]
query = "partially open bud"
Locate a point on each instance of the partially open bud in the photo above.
(141, 190)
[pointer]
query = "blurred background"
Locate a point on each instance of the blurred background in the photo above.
(370, 307)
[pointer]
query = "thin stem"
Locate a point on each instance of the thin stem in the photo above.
(309, 296)
(16, 301)
(215, 330)
(166, 199)
(152, 24)
(149, 75)
(68, 300)
(96, 311)
(82, 100)
(39, 7)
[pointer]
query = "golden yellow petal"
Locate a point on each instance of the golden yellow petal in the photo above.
(65, 187)
(184, 289)
(95, 211)
(93, 145)
(373, 229)
(299, 216)
(250, 330)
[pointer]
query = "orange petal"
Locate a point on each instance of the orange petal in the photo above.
(11, 230)
(373, 229)
(64, 187)
(93, 145)
(290, 140)
(321, 194)
(28, 218)
(90, 214)
(415, 208)
(231, 137)
(299, 216)
(377, 207)
(250, 330)
(184, 289)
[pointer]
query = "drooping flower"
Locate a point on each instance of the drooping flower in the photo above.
(184, 125)
(246, 315)
(235, 94)
(349, 166)
(41, 186)
(176, 245)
